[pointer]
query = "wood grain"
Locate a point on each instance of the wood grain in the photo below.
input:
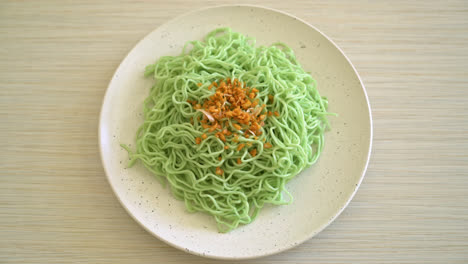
(56, 58)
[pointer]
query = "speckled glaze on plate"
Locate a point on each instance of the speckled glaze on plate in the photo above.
(320, 192)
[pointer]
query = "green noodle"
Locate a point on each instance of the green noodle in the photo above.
(165, 142)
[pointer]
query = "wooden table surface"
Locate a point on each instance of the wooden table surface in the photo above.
(57, 57)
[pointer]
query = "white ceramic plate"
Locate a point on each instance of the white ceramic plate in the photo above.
(320, 192)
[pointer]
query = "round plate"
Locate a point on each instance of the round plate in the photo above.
(320, 192)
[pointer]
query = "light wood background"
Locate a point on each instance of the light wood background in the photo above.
(57, 57)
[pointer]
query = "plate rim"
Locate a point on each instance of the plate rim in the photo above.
(214, 256)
